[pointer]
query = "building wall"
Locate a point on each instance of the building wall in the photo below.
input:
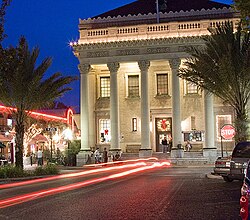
(102, 42)
(192, 105)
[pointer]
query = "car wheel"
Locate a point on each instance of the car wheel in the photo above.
(227, 179)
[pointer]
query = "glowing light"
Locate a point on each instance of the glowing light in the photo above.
(121, 161)
(34, 195)
(70, 175)
(67, 134)
(34, 113)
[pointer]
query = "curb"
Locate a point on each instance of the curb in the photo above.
(213, 176)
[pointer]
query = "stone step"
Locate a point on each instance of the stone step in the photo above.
(189, 161)
(161, 155)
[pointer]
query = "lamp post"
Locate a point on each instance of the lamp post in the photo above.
(51, 130)
(68, 136)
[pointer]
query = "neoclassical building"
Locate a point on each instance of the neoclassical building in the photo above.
(131, 96)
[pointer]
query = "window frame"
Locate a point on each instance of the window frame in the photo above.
(107, 88)
(187, 90)
(166, 84)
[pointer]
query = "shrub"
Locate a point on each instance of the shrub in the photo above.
(49, 169)
(11, 171)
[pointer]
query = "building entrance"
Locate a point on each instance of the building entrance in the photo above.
(163, 128)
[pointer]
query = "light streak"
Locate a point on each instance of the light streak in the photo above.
(36, 113)
(38, 194)
(70, 175)
(121, 161)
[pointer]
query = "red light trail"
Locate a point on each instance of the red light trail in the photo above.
(70, 175)
(77, 174)
(38, 194)
(121, 161)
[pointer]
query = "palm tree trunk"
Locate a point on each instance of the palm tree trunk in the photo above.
(19, 127)
(241, 125)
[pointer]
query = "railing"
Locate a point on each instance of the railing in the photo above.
(171, 29)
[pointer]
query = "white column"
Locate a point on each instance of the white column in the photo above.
(145, 111)
(176, 103)
(209, 120)
(92, 99)
(114, 106)
(84, 70)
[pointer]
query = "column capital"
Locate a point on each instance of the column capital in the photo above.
(113, 67)
(174, 63)
(143, 65)
(84, 68)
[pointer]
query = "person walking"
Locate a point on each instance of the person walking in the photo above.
(165, 145)
(105, 155)
(188, 146)
(97, 155)
(39, 157)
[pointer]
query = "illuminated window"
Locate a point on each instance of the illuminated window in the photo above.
(105, 86)
(162, 84)
(222, 120)
(104, 132)
(133, 86)
(134, 124)
(191, 88)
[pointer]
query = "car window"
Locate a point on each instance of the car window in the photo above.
(242, 150)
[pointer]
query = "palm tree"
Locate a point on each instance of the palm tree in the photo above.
(222, 67)
(24, 87)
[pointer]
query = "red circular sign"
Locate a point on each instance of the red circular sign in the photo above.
(227, 131)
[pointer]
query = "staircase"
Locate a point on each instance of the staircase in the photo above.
(193, 158)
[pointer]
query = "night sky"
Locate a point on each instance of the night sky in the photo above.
(51, 25)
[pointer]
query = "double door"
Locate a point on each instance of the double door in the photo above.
(163, 129)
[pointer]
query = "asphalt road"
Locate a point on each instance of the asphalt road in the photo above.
(162, 193)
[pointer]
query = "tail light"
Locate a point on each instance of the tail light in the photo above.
(244, 207)
(243, 214)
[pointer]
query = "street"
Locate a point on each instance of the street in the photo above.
(159, 193)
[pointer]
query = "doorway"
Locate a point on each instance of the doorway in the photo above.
(163, 128)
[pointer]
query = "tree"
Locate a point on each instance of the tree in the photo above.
(4, 5)
(24, 86)
(222, 67)
(243, 6)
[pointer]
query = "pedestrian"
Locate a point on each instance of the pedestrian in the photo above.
(105, 155)
(39, 157)
(117, 156)
(31, 159)
(165, 145)
(179, 150)
(110, 156)
(188, 146)
(97, 155)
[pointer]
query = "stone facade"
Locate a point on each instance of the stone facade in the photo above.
(118, 48)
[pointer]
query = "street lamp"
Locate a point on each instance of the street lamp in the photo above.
(51, 130)
(68, 136)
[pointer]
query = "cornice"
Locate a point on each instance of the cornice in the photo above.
(164, 16)
(139, 43)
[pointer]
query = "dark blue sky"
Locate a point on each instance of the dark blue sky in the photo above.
(51, 25)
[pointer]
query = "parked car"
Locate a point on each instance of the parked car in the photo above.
(245, 193)
(238, 163)
(222, 166)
